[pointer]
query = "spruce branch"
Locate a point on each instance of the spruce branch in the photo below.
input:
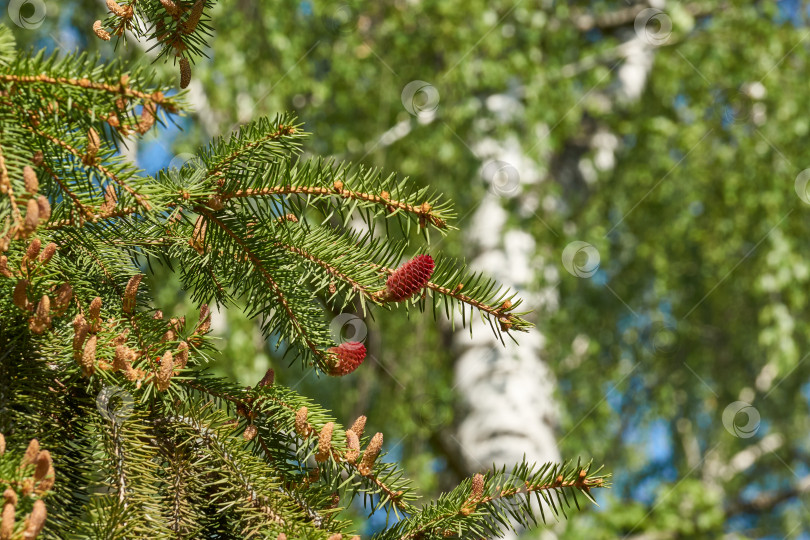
(488, 504)
(248, 221)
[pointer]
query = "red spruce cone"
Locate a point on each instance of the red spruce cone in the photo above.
(346, 357)
(409, 279)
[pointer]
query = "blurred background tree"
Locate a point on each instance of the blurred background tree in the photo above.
(667, 138)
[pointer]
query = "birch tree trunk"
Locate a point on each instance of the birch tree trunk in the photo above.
(507, 392)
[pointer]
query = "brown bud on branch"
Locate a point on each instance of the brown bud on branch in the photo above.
(62, 300)
(36, 520)
(47, 253)
(31, 216)
(94, 312)
(359, 426)
(130, 293)
(80, 330)
(193, 18)
(98, 29)
(164, 375)
(41, 320)
(121, 11)
(181, 358)
(31, 181)
(170, 7)
(88, 361)
(185, 72)
(44, 207)
(250, 432)
(20, 295)
(31, 453)
(5, 271)
(353, 444)
(325, 442)
(370, 455)
(301, 424)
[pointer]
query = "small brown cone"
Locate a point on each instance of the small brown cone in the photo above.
(194, 18)
(325, 443)
(41, 320)
(33, 249)
(477, 487)
(370, 455)
(122, 361)
(7, 523)
(80, 330)
(476, 493)
(88, 361)
(250, 432)
(44, 464)
(268, 379)
(170, 7)
(204, 325)
(185, 73)
(47, 253)
(61, 301)
(301, 424)
(130, 293)
(353, 445)
(31, 215)
(20, 295)
(10, 497)
(44, 208)
(31, 453)
(197, 242)
(181, 358)
(46, 484)
(31, 181)
(36, 520)
(98, 29)
(2, 444)
(164, 375)
(121, 11)
(359, 426)
(5, 271)
(110, 198)
(147, 118)
(93, 146)
(93, 313)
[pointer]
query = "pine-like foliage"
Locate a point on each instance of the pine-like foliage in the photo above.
(132, 437)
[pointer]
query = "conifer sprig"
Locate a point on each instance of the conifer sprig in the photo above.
(179, 27)
(485, 505)
(144, 440)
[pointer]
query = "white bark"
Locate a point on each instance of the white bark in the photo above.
(507, 393)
